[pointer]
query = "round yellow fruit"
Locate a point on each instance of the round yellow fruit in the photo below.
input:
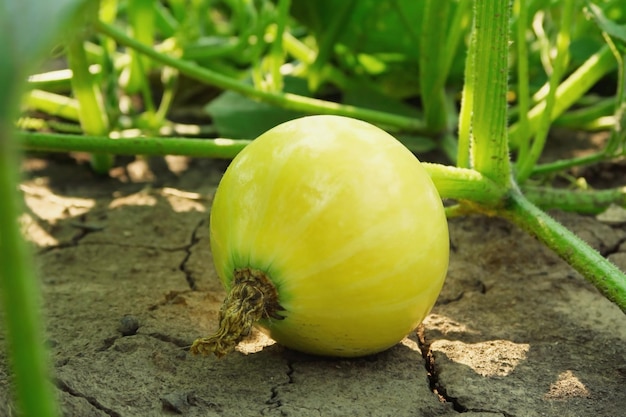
(344, 229)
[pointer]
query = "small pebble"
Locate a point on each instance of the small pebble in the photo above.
(128, 325)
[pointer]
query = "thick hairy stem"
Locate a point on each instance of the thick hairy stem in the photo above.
(605, 276)
(252, 297)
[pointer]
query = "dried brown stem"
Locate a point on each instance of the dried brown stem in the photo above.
(252, 297)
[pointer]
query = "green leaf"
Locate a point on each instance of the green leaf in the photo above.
(605, 24)
(361, 94)
(373, 27)
(238, 117)
(29, 27)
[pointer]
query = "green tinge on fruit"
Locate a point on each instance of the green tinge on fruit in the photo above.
(344, 222)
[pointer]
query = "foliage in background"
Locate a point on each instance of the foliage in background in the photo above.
(440, 76)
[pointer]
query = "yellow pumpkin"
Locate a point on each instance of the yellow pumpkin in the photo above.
(333, 232)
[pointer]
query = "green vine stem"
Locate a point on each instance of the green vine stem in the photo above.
(529, 154)
(285, 100)
(277, 54)
(91, 112)
(52, 104)
(452, 182)
(568, 92)
(467, 107)
(329, 38)
(563, 164)
(201, 148)
(520, 9)
(19, 295)
(593, 114)
(489, 150)
(432, 60)
(605, 276)
(141, 16)
(583, 201)
(464, 184)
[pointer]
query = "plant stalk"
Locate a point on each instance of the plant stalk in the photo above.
(489, 150)
(19, 292)
(465, 184)
(201, 148)
(581, 201)
(20, 297)
(91, 111)
(568, 92)
(432, 60)
(529, 154)
(605, 276)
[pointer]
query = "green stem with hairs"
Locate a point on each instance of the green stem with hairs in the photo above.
(605, 276)
(581, 201)
(464, 184)
(490, 153)
(467, 107)
(523, 79)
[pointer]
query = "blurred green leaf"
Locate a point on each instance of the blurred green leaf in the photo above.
(374, 26)
(417, 144)
(238, 117)
(613, 29)
(28, 27)
(362, 94)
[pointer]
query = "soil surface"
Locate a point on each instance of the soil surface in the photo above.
(128, 283)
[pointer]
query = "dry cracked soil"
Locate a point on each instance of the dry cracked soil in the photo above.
(127, 282)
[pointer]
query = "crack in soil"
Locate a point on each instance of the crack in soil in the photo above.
(63, 386)
(84, 229)
(170, 339)
(274, 402)
(107, 343)
(179, 343)
(437, 387)
(171, 297)
(433, 376)
(183, 265)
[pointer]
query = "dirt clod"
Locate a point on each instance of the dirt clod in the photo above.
(128, 325)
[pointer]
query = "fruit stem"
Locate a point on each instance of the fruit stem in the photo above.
(252, 297)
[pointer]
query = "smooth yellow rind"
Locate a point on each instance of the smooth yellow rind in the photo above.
(345, 222)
